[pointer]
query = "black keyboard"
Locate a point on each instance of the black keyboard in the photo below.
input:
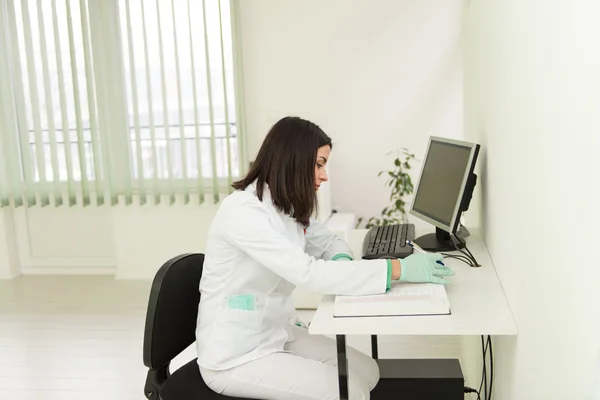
(388, 241)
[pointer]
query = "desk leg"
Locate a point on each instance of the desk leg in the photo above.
(342, 366)
(374, 351)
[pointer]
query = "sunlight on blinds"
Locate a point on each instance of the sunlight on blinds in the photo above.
(101, 99)
(179, 74)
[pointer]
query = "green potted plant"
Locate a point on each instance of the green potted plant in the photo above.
(400, 183)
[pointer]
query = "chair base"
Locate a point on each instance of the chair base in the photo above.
(419, 379)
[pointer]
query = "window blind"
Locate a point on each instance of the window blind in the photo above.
(103, 101)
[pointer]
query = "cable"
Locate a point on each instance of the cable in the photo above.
(484, 371)
(472, 261)
(483, 367)
(462, 258)
(471, 390)
(483, 386)
(472, 256)
(476, 264)
(491, 366)
(468, 255)
(451, 255)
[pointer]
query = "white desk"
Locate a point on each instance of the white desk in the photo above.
(477, 300)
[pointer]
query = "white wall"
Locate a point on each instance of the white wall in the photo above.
(130, 242)
(9, 259)
(532, 92)
(376, 76)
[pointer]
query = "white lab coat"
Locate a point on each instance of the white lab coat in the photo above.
(255, 257)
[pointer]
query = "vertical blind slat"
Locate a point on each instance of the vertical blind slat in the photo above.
(85, 194)
(91, 95)
(5, 181)
(108, 39)
(103, 158)
(6, 123)
(213, 150)
(183, 161)
(35, 105)
(121, 169)
(9, 163)
(165, 105)
(58, 200)
(238, 86)
(136, 112)
(19, 92)
(227, 127)
(63, 110)
(150, 110)
(196, 119)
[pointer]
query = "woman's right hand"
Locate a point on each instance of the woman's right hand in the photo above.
(424, 268)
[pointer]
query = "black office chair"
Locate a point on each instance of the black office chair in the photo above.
(171, 328)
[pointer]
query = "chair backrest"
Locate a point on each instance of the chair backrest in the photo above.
(172, 309)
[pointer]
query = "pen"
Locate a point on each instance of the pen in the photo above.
(419, 249)
(415, 246)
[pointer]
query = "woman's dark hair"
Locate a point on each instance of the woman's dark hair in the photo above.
(286, 163)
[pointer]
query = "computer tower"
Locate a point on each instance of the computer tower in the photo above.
(419, 379)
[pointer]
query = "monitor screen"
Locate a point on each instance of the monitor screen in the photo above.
(441, 180)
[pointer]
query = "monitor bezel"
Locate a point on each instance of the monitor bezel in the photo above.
(468, 171)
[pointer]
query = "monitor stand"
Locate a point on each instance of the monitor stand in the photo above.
(438, 241)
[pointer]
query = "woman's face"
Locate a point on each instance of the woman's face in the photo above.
(320, 172)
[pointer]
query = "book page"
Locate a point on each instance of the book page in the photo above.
(404, 292)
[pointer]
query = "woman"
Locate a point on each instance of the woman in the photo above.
(262, 243)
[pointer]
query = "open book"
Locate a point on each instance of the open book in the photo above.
(401, 299)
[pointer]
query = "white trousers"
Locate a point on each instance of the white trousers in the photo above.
(307, 372)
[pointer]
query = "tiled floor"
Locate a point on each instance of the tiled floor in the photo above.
(80, 338)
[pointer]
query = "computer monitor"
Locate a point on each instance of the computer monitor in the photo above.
(444, 190)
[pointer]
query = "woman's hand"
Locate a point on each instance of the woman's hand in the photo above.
(424, 268)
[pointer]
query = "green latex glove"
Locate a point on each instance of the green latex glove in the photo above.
(428, 267)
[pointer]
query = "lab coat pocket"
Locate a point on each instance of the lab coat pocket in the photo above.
(241, 327)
